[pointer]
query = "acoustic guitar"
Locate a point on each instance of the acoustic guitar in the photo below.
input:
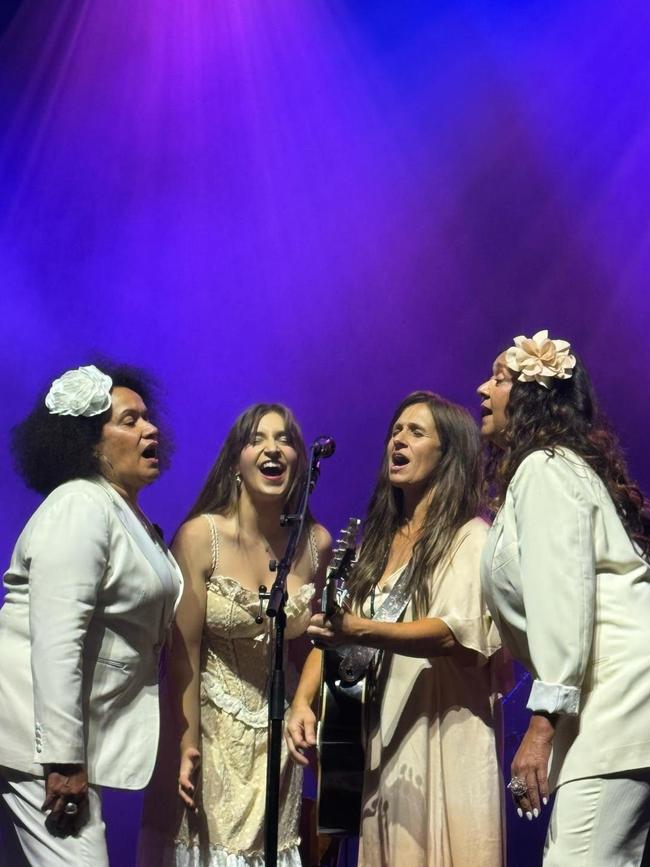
(339, 741)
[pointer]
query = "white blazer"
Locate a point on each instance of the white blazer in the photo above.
(90, 599)
(570, 594)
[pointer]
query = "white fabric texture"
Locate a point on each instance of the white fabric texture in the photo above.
(26, 840)
(219, 857)
(599, 822)
(570, 594)
(89, 601)
(432, 789)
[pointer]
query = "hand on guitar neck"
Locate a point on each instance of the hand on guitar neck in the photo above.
(300, 729)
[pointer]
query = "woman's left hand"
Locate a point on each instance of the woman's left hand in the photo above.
(530, 764)
(331, 631)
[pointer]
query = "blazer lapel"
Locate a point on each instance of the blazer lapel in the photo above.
(159, 561)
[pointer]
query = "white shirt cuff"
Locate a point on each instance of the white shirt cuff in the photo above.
(554, 698)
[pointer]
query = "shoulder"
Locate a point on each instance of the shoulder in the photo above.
(559, 466)
(195, 532)
(322, 538)
(80, 495)
(192, 548)
(471, 537)
(80, 509)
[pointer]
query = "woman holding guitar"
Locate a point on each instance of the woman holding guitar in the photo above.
(431, 790)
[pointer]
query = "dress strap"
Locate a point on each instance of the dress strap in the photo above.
(215, 542)
(313, 549)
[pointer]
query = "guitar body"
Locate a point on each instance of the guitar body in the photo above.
(340, 752)
(340, 745)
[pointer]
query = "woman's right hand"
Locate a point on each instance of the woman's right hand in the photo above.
(190, 761)
(300, 732)
(65, 784)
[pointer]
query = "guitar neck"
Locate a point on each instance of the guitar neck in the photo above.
(329, 604)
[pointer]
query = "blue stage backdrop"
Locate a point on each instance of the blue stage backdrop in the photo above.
(328, 203)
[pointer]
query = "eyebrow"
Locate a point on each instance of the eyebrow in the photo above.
(413, 425)
(131, 410)
(276, 433)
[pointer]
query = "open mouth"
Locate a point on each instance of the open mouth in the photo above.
(485, 411)
(272, 469)
(399, 459)
(151, 452)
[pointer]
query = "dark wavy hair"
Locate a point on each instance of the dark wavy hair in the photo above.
(219, 494)
(566, 415)
(49, 450)
(455, 484)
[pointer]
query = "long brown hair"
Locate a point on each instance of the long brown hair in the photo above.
(566, 415)
(454, 485)
(219, 493)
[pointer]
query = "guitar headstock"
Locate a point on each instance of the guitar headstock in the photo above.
(343, 557)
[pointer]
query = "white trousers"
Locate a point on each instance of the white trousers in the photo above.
(26, 842)
(600, 822)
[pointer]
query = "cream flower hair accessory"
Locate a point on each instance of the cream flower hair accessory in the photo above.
(540, 359)
(84, 391)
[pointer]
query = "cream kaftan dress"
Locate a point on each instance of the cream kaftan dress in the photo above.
(432, 785)
(228, 830)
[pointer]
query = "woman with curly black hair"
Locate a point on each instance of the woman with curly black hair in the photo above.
(90, 595)
(567, 579)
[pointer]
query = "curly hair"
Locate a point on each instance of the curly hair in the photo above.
(219, 494)
(456, 483)
(49, 449)
(566, 415)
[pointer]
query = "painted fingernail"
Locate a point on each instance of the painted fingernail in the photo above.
(529, 816)
(535, 812)
(545, 801)
(520, 812)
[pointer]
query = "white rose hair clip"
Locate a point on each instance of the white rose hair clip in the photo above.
(84, 391)
(540, 359)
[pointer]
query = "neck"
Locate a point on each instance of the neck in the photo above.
(415, 504)
(260, 517)
(129, 494)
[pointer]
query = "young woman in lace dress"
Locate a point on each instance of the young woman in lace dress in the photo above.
(219, 667)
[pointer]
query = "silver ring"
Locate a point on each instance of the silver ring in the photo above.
(518, 787)
(71, 809)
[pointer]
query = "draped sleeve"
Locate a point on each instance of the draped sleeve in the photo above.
(456, 595)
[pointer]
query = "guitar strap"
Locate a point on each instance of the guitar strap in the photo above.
(356, 660)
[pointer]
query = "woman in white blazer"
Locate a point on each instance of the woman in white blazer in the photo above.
(90, 596)
(566, 576)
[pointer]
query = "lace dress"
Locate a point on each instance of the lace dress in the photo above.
(228, 829)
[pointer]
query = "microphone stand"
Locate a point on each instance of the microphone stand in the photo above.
(275, 609)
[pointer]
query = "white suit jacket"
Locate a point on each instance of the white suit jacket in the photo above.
(570, 594)
(90, 598)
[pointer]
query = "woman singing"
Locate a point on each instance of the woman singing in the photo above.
(431, 783)
(91, 590)
(566, 575)
(219, 665)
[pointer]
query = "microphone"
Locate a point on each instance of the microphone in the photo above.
(323, 447)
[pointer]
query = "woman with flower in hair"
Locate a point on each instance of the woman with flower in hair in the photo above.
(567, 579)
(219, 666)
(90, 595)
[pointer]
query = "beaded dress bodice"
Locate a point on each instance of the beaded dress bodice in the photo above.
(235, 664)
